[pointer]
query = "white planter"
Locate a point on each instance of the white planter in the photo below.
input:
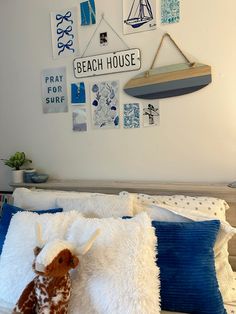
(17, 176)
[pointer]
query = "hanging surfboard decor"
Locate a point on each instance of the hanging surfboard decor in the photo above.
(171, 80)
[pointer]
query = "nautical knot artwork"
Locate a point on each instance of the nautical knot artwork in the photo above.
(88, 12)
(131, 115)
(64, 33)
(139, 15)
(170, 12)
(105, 104)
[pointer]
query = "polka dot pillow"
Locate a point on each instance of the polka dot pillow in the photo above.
(212, 207)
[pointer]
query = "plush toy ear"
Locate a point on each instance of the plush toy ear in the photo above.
(74, 261)
(83, 249)
(38, 232)
(37, 250)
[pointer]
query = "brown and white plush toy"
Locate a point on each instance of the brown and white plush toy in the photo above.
(49, 292)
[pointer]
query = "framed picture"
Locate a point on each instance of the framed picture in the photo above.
(139, 15)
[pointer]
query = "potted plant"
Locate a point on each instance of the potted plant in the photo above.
(15, 162)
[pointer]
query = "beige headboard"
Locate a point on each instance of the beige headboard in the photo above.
(151, 187)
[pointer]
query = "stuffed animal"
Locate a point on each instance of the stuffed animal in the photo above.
(49, 292)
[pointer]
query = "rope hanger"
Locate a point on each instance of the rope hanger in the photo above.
(191, 64)
(114, 31)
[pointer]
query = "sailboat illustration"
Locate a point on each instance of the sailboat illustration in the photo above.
(140, 13)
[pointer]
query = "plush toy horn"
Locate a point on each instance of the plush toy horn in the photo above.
(83, 249)
(39, 238)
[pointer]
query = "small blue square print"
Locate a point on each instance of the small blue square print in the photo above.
(88, 12)
(131, 116)
(78, 95)
(170, 11)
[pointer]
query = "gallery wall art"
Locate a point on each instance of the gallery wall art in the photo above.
(131, 115)
(79, 118)
(139, 16)
(78, 93)
(54, 90)
(170, 11)
(151, 114)
(105, 104)
(87, 12)
(64, 33)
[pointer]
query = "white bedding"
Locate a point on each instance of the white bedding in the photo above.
(231, 308)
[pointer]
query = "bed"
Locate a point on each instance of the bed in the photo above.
(219, 191)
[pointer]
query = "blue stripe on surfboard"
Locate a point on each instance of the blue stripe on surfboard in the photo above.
(170, 88)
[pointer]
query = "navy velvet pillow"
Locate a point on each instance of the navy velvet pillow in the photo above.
(9, 210)
(187, 267)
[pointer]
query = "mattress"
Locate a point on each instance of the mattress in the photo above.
(230, 308)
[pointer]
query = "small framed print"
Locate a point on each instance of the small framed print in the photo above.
(103, 39)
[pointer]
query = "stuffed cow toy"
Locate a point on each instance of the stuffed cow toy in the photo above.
(49, 292)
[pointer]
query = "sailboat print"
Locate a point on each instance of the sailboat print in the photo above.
(140, 13)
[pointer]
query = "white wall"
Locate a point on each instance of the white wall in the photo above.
(196, 140)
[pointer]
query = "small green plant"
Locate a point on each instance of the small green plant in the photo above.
(17, 160)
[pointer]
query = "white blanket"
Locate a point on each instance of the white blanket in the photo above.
(7, 308)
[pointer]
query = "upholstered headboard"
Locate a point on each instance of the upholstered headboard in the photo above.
(151, 187)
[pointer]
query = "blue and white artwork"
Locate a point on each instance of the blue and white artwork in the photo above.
(88, 12)
(151, 114)
(64, 33)
(139, 16)
(131, 116)
(170, 12)
(105, 104)
(54, 90)
(78, 94)
(79, 118)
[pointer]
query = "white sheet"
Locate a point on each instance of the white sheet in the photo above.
(230, 308)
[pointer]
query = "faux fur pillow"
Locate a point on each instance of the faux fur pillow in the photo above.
(98, 206)
(17, 254)
(118, 275)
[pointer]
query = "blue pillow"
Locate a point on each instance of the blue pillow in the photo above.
(187, 267)
(9, 210)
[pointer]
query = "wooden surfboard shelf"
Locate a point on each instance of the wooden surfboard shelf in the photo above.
(169, 81)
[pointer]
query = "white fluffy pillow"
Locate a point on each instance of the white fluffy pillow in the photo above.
(38, 199)
(119, 274)
(224, 271)
(17, 255)
(98, 206)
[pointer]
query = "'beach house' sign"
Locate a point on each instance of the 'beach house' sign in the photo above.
(120, 61)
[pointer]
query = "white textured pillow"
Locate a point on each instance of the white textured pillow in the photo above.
(98, 206)
(17, 255)
(38, 199)
(211, 206)
(224, 271)
(119, 274)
